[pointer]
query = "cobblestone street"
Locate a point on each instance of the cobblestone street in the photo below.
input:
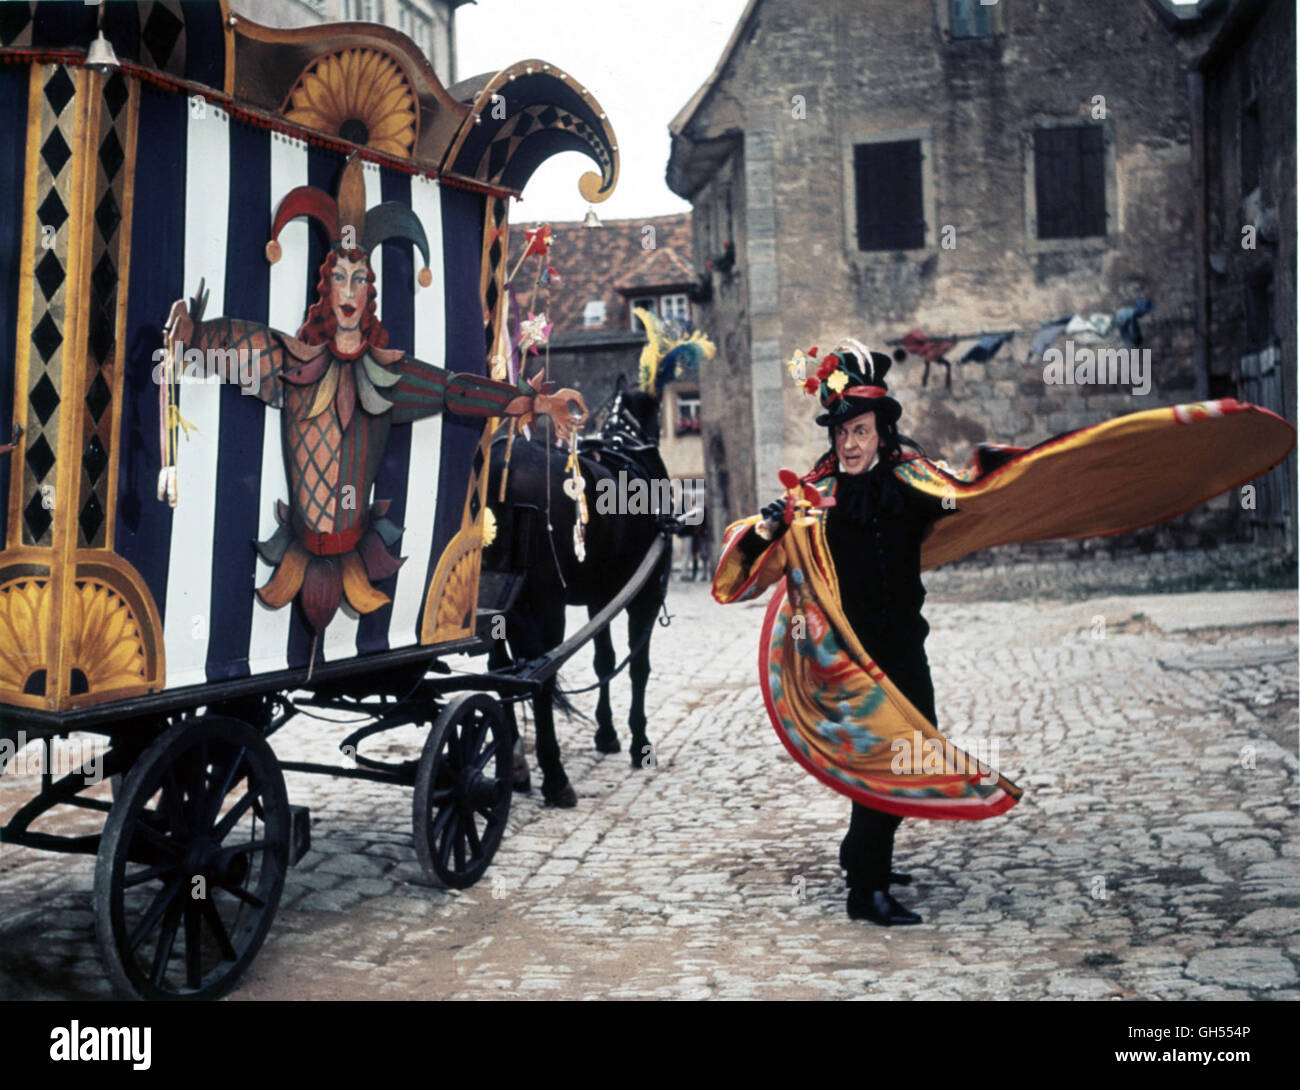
(1154, 854)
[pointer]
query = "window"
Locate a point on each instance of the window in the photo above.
(647, 303)
(688, 412)
(888, 195)
(1250, 146)
(676, 308)
(1259, 311)
(970, 19)
(1070, 181)
(593, 314)
(404, 19)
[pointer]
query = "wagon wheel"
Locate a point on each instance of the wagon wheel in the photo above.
(192, 862)
(462, 790)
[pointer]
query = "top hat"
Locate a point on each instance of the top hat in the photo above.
(850, 381)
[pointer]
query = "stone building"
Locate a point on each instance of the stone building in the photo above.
(955, 168)
(1246, 224)
(604, 273)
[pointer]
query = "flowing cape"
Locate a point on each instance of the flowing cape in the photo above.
(832, 707)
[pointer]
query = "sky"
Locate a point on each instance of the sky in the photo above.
(641, 61)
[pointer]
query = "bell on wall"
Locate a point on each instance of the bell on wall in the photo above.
(590, 220)
(101, 56)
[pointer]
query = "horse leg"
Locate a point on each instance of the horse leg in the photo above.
(523, 782)
(641, 615)
(606, 737)
(556, 789)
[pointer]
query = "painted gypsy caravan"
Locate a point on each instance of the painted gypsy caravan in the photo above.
(270, 494)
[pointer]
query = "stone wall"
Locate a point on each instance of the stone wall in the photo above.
(812, 77)
(1260, 64)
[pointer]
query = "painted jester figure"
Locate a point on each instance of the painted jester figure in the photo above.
(341, 390)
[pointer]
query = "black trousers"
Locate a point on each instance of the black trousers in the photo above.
(867, 852)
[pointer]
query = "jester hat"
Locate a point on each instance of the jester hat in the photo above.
(348, 214)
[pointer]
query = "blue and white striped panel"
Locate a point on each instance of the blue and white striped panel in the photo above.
(186, 625)
(269, 641)
(426, 435)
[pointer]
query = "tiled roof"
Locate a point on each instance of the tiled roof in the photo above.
(658, 269)
(594, 263)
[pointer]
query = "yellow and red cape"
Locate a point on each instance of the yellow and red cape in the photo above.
(833, 708)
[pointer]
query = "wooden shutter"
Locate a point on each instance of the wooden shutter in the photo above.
(969, 19)
(890, 209)
(1070, 181)
(959, 18)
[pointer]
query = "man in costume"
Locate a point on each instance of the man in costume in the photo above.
(340, 391)
(841, 659)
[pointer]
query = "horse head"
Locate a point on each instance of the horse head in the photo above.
(633, 418)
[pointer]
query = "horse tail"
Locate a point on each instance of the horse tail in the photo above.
(567, 707)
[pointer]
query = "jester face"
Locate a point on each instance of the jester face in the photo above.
(349, 289)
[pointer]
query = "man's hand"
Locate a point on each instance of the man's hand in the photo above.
(565, 408)
(774, 522)
(179, 327)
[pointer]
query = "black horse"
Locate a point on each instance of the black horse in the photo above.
(615, 543)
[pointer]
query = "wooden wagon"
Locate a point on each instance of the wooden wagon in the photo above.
(149, 148)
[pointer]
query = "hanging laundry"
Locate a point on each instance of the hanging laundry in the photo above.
(985, 348)
(919, 344)
(1047, 334)
(1100, 324)
(1126, 319)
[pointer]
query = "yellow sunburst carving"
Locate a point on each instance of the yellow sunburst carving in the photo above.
(362, 95)
(102, 641)
(24, 621)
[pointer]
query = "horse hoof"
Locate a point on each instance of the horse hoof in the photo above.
(607, 743)
(523, 781)
(566, 798)
(643, 754)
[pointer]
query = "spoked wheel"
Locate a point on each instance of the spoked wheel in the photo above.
(462, 790)
(192, 862)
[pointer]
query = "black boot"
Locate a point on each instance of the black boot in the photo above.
(896, 878)
(878, 906)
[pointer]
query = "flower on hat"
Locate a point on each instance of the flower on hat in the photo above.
(837, 381)
(798, 366)
(827, 366)
(810, 385)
